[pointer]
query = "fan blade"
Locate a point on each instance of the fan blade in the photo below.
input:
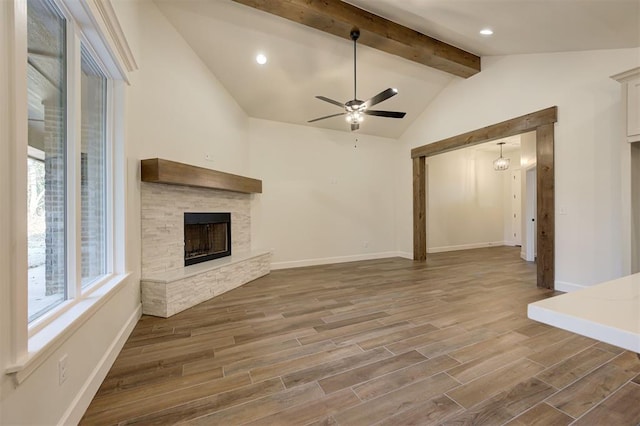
(382, 96)
(331, 101)
(326, 116)
(390, 114)
(355, 126)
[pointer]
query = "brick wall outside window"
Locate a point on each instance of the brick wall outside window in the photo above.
(54, 166)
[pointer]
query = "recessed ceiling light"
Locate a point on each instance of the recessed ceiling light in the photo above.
(261, 59)
(486, 31)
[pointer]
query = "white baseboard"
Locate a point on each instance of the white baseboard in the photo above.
(466, 246)
(567, 287)
(81, 402)
(338, 259)
(405, 255)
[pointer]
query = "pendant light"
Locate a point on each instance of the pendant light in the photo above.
(501, 163)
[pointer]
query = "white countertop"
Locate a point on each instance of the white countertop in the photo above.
(609, 312)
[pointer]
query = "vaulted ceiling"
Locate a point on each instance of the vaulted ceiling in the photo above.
(304, 62)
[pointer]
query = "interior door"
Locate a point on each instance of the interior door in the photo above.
(531, 226)
(516, 208)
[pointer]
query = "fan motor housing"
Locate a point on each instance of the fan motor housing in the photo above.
(354, 105)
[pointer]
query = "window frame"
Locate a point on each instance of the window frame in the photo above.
(94, 27)
(67, 135)
(75, 42)
(108, 188)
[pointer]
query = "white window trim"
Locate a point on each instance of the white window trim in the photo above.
(32, 344)
(35, 153)
(18, 197)
(73, 222)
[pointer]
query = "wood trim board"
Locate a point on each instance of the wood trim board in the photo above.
(542, 122)
(157, 170)
(545, 200)
(420, 209)
(515, 126)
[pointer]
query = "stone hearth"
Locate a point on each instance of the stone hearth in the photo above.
(167, 294)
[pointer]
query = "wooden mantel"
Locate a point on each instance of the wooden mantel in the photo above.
(157, 170)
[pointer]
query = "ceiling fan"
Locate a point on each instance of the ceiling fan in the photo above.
(355, 109)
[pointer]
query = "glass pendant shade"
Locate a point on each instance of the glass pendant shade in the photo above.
(501, 163)
(354, 117)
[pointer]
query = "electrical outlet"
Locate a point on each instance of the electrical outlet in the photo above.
(62, 369)
(208, 157)
(365, 244)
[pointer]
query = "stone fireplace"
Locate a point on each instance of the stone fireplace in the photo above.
(177, 232)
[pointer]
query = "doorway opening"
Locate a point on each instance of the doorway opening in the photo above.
(474, 204)
(542, 122)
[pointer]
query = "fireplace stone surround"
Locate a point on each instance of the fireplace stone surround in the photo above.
(169, 287)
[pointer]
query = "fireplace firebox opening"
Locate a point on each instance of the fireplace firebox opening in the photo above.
(207, 236)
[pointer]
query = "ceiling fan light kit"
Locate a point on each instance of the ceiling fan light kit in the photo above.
(356, 109)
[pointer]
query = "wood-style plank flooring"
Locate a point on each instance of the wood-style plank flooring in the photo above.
(386, 342)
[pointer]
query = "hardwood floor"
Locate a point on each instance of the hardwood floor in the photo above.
(384, 342)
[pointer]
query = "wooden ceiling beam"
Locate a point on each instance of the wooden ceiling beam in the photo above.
(338, 18)
(515, 126)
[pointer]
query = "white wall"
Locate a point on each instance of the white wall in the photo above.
(527, 149)
(466, 201)
(587, 150)
(175, 109)
(323, 199)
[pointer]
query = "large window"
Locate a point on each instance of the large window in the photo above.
(93, 164)
(47, 184)
(63, 174)
(67, 162)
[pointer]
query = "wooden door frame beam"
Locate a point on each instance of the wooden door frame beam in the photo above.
(338, 18)
(419, 209)
(542, 122)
